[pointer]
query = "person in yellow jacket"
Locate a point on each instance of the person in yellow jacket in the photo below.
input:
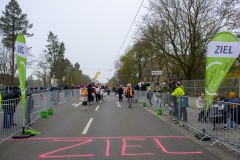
(179, 91)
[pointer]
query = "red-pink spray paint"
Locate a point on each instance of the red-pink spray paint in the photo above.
(125, 146)
(88, 155)
(164, 150)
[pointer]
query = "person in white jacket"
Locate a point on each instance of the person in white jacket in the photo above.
(200, 105)
(83, 96)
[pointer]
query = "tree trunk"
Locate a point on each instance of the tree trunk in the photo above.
(12, 67)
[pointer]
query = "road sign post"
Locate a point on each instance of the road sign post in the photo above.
(156, 73)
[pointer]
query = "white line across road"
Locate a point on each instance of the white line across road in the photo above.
(97, 108)
(118, 104)
(87, 126)
(63, 102)
(77, 104)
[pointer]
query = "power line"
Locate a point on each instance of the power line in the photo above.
(128, 32)
(136, 32)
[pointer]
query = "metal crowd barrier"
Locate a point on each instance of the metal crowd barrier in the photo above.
(220, 121)
(11, 111)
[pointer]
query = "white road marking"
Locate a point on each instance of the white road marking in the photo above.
(77, 104)
(74, 104)
(118, 104)
(87, 126)
(97, 108)
(63, 102)
(100, 101)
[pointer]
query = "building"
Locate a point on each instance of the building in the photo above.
(5, 79)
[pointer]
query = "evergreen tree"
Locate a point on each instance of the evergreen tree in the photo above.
(12, 22)
(53, 47)
(61, 52)
(77, 66)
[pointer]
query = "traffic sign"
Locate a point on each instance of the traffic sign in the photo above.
(156, 73)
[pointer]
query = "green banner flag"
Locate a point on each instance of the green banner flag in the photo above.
(20, 48)
(223, 50)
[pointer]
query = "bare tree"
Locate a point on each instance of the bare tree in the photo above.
(42, 68)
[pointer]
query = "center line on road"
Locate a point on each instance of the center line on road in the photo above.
(87, 126)
(97, 108)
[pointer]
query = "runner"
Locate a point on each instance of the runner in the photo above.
(97, 89)
(120, 93)
(84, 95)
(129, 94)
(116, 90)
(89, 94)
(108, 90)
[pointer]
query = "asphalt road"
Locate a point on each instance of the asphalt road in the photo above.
(110, 131)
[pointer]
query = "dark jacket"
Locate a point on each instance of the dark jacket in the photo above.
(89, 89)
(136, 87)
(66, 87)
(144, 87)
(120, 91)
(11, 100)
(173, 86)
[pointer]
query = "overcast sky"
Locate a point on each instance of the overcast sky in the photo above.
(92, 30)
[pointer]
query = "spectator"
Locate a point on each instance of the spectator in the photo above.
(29, 108)
(144, 87)
(216, 113)
(2, 91)
(66, 91)
(9, 102)
(136, 87)
(154, 87)
(179, 91)
(158, 98)
(200, 105)
(120, 93)
(158, 86)
(166, 89)
(173, 100)
(232, 109)
(73, 90)
(149, 96)
(173, 85)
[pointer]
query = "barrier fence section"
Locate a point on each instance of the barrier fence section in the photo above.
(11, 111)
(219, 122)
(229, 84)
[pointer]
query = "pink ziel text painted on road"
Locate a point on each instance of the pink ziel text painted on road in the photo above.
(126, 144)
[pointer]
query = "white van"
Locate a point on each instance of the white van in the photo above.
(147, 83)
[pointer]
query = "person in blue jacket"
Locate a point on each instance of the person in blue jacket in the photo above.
(232, 109)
